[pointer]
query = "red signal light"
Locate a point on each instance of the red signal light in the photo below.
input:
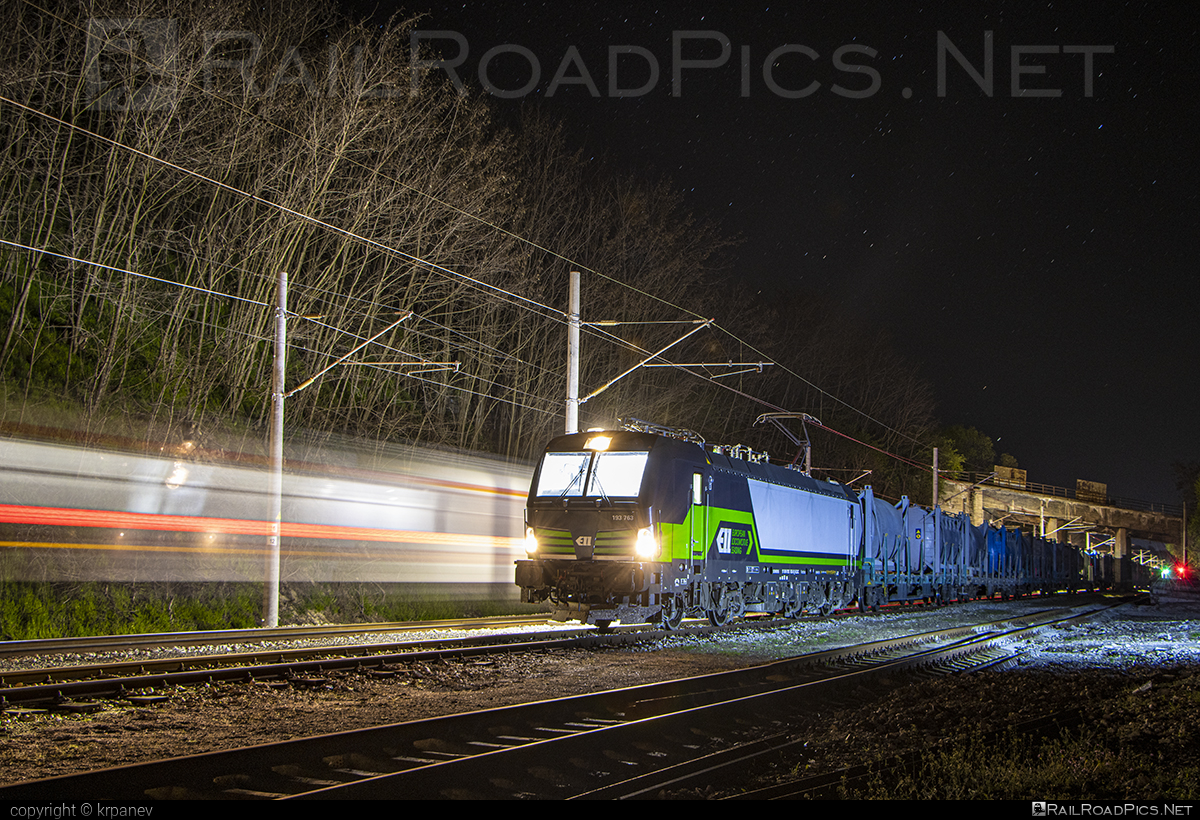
(1181, 570)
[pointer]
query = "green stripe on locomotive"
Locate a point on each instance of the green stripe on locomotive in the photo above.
(677, 541)
(619, 543)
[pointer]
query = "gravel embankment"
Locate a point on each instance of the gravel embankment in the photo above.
(1103, 667)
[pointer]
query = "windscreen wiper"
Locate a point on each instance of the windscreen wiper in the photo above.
(576, 480)
(599, 486)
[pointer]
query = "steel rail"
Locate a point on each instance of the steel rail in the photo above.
(117, 679)
(113, 643)
(688, 741)
(61, 685)
(728, 762)
(104, 679)
(444, 756)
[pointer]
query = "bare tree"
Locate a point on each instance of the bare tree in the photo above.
(272, 142)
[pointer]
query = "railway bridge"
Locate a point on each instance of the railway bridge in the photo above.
(1086, 516)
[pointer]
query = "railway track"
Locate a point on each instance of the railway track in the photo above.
(66, 685)
(118, 643)
(625, 743)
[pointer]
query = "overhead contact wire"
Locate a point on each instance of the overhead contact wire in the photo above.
(557, 314)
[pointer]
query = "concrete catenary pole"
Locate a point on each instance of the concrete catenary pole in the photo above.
(275, 483)
(573, 355)
(935, 476)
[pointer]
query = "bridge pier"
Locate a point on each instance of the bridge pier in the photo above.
(1122, 571)
(1053, 532)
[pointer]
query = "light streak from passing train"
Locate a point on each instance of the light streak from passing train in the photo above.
(411, 515)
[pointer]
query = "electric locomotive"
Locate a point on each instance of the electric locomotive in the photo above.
(650, 524)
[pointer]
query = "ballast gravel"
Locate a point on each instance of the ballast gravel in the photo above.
(1123, 670)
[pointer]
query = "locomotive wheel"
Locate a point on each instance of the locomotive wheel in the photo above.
(718, 617)
(672, 612)
(604, 626)
(718, 610)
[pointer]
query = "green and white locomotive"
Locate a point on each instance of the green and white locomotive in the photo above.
(650, 524)
(638, 525)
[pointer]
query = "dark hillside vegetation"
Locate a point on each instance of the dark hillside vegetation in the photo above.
(299, 148)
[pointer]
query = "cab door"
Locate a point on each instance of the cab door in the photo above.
(699, 516)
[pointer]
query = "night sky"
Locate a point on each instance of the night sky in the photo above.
(1035, 252)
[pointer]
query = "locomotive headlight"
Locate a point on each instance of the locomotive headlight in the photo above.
(647, 544)
(531, 544)
(598, 444)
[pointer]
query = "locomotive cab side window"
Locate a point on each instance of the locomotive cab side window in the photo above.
(697, 488)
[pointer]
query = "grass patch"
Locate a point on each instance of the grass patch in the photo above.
(32, 610)
(1094, 763)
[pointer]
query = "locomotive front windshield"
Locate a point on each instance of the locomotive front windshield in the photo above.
(616, 474)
